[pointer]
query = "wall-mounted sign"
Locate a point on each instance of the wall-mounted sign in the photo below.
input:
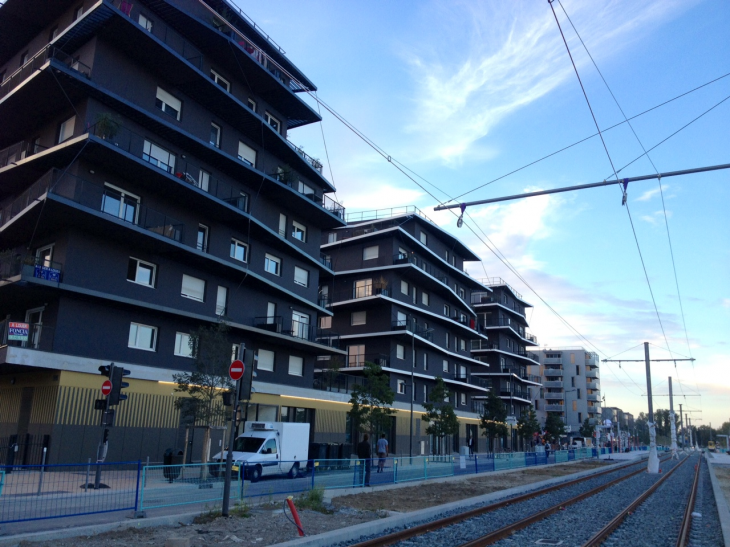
(18, 331)
(49, 274)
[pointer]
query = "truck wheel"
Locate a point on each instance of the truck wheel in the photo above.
(294, 471)
(255, 473)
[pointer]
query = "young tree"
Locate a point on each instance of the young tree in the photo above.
(586, 430)
(493, 418)
(554, 427)
(440, 414)
(527, 424)
(211, 350)
(370, 403)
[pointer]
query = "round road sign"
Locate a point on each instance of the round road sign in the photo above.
(106, 387)
(235, 371)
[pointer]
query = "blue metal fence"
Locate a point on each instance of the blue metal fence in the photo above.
(35, 492)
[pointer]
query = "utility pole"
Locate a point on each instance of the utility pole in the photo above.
(653, 466)
(681, 422)
(413, 387)
(672, 422)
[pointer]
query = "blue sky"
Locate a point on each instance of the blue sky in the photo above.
(464, 92)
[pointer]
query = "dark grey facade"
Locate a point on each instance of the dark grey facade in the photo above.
(147, 186)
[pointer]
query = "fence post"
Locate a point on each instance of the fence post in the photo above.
(43, 467)
(395, 471)
(88, 471)
(476, 464)
(425, 467)
(136, 493)
(144, 482)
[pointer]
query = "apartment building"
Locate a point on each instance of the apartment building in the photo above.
(571, 387)
(148, 186)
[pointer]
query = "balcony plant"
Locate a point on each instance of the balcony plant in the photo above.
(107, 125)
(287, 175)
(381, 286)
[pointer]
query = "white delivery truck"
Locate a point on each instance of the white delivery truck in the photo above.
(270, 448)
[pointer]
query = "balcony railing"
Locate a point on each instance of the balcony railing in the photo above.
(498, 282)
(14, 264)
(377, 214)
(36, 62)
(313, 162)
(549, 372)
(552, 384)
(592, 373)
(117, 205)
(554, 395)
(329, 380)
(359, 359)
(19, 151)
(37, 335)
(515, 393)
(555, 408)
(593, 385)
(292, 179)
(297, 329)
(593, 397)
(36, 190)
(477, 345)
(325, 260)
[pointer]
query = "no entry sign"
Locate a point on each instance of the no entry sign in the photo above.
(106, 387)
(235, 371)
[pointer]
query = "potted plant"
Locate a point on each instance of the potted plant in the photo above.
(381, 286)
(107, 125)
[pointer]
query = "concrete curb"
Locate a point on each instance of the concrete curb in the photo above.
(722, 505)
(94, 529)
(408, 519)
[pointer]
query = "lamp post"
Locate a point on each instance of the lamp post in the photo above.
(413, 387)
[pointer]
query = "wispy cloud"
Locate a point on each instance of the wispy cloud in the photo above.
(490, 59)
(646, 196)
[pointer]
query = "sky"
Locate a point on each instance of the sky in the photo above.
(464, 92)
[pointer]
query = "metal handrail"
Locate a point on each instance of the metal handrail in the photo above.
(377, 214)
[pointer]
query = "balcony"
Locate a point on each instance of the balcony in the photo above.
(553, 384)
(27, 198)
(478, 345)
(297, 329)
(293, 180)
(19, 151)
(35, 336)
(595, 397)
(362, 291)
(515, 393)
(378, 214)
(335, 382)
(473, 380)
(554, 395)
(499, 282)
(12, 265)
(359, 359)
(555, 408)
(550, 372)
(313, 162)
(592, 373)
(593, 385)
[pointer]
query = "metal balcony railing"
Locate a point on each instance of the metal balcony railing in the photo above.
(36, 190)
(326, 260)
(330, 380)
(498, 282)
(477, 345)
(359, 359)
(313, 162)
(36, 62)
(19, 151)
(592, 373)
(377, 214)
(555, 408)
(593, 385)
(552, 384)
(554, 395)
(297, 329)
(549, 372)
(593, 397)
(13, 264)
(26, 335)
(402, 258)
(515, 393)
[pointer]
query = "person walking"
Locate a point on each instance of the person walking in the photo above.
(382, 451)
(364, 452)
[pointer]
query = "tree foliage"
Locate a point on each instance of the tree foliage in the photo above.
(440, 414)
(370, 402)
(554, 427)
(492, 419)
(586, 429)
(527, 424)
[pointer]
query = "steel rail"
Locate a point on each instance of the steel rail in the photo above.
(687, 520)
(510, 529)
(421, 529)
(606, 531)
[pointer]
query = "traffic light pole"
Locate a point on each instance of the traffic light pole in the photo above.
(101, 451)
(229, 455)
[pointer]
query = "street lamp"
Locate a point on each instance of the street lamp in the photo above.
(413, 389)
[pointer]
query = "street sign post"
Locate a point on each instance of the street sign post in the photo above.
(106, 387)
(235, 371)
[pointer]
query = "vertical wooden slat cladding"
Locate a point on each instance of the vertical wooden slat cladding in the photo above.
(44, 405)
(9, 405)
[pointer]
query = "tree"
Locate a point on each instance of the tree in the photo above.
(370, 402)
(527, 424)
(493, 418)
(554, 427)
(211, 351)
(440, 414)
(586, 430)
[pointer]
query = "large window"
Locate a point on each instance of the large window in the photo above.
(246, 154)
(356, 355)
(424, 238)
(182, 345)
(400, 351)
(215, 134)
(299, 231)
(369, 253)
(220, 80)
(272, 264)
(170, 105)
(145, 22)
(404, 287)
(358, 318)
(66, 129)
(158, 156)
(120, 203)
(140, 272)
(301, 276)
(221, 300)
(363, 288)
(296, 366)
(300, 325)
(239, 250)
(142, 337)
(266, 360)
(273, 122)
(193, 288)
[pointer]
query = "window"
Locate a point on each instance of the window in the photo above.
(221, 300)
(215, 135)
(145, 22)
(578, 393)
(400, 351)
(401, 387)
(66, 129)
(462, 399)
(404, 287)
(358, 318)
(282, 224)
(572, 358)
(142, 337)
(203, 181)
(369, 253)
(158, 156)
(446, 254)
(356, 355)
(363, 288)
(44, 255)
(272, 264)
(252, 105)
(577, 370)
(414, 294)
(447, 340)
(119, 203)
(425, 361)
(299, 231)
(325, 322)
(462, 344)
(270, 313)
(235, 351)
(445, 365)
(300, 325)
(24, 58)
(53, 34)
(193, 288)
(168, 104)
(424, 238)
(402, 319)
(424, 298)
(220, 80)
(239, 250)
(425, 394)
(462, 294)
(296, 365)
(273, 122)
(301, 276)
(182, 345)
(78, 12)
(462, 372)
(265, 360)
(447, 310)
(142, 273)
(246, 154)
(202, 242)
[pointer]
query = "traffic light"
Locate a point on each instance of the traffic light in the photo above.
(248, 361)
(106, 370)
(117, 385)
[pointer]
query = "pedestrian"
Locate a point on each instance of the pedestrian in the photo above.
(471, 446)
(547, 450)
(382, 451)
(364, 452)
